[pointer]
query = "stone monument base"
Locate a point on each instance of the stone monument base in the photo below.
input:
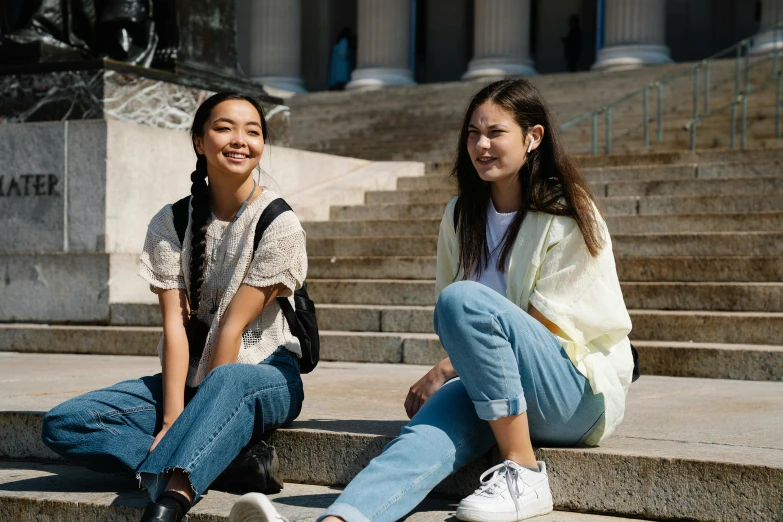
(109, 90)
(76, 198)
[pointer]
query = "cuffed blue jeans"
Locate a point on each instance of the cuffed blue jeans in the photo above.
(111, 430)
(508, 363)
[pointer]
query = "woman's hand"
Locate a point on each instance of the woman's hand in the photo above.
(425, 387)
(159, 436)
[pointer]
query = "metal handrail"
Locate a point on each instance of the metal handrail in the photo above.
(741, 100)
(740, 52)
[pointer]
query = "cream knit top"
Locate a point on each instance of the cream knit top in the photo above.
(281, 258)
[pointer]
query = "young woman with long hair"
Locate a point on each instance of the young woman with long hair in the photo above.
(530, 314)
(229, 359)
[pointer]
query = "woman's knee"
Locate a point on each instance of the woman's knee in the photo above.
(457, 300)
(60, 426)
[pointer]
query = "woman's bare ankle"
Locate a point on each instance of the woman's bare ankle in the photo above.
(180, 483)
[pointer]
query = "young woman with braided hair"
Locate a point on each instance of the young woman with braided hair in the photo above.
(229, 359)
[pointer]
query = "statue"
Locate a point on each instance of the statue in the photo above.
(140, 32)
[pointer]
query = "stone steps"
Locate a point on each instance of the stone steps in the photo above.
(421, 123)
(666, 460)
(699, 158)
(680, 244)
(614, 205)
(691, 187)
(651, 325)
(698, 164)
(755, 352)
(724, 296)
(629, 268)
(618, 224)
(62, 492)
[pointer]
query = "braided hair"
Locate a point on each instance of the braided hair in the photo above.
(199, 191)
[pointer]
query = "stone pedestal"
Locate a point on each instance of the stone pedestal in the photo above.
(75, 200)
(276, 44)
(501, 40)
(90, 152)
(767, 40)
(116, 91)
(635, 35)
(383, 45)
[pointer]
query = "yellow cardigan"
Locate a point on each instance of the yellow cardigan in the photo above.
(551, 268)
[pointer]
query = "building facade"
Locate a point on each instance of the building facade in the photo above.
(306, 45)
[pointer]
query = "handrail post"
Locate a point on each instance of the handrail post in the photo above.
(594, 144)
(744, 123)
(660, 111)
(696, 93)
(775, 52)
(646, 117)
(692, 129)
(747, 66)
(778, 81)
(737, 70)
(706, 87)
(733, 128)
(608, 130)
(778, 99)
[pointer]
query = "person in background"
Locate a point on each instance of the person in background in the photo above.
(343, 59)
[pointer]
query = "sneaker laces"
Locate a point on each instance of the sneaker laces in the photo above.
(507, 472)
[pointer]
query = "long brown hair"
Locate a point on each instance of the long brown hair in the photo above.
(549, 180)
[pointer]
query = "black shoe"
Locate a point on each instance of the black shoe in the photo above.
(254, 470)
(157, 513)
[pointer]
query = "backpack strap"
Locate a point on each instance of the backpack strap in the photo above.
(270, 213)
(181, 211)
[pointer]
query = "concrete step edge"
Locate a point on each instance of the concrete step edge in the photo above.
(641, 468)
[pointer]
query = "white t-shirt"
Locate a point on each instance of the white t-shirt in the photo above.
(497, 224)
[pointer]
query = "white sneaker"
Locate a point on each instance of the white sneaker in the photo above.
(255, 507)
(508, 492)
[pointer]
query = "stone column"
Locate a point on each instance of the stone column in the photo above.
(634, 35)
(383, 45)
(383, 53)
(275, 44)
(501, 39)
(771, 14)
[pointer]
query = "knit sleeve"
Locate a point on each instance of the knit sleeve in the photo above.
(281, 256)
(160, 264)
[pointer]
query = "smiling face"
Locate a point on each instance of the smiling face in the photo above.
(496, 144)
(232, 140)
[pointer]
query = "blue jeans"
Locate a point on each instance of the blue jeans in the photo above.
(111, 430)
(508, 363)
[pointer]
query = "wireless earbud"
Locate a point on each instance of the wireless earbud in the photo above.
(530, 147)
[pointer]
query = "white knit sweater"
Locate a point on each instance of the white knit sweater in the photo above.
(280, 258)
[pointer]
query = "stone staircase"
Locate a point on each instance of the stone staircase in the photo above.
(422, 123)
(697, 239)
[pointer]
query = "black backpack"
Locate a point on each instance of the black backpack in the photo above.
(301, 320)
(637, 370)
